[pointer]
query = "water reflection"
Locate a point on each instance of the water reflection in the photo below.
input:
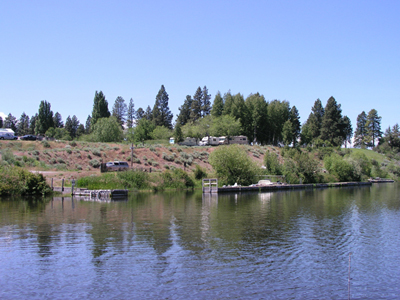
(281, 245)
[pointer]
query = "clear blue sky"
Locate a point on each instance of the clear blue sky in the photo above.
(63, 51)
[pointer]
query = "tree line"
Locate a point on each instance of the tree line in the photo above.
(263, 122)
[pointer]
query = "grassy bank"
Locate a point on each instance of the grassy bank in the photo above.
(141, 180)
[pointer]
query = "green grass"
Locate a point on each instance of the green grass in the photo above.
(370, 154)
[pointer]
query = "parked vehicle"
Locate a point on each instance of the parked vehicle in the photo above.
(209, 140)
(189, 142)
(28, 137)
(7, 136)
(117, 166)
(238, 139)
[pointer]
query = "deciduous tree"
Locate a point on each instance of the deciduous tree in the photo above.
(45, 118)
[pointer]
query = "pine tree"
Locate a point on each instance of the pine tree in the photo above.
(148, 114)
(205, 102)
(87, 124)
(294, 119)
(139, 114)
(57, 120)
(218, 105)
(162, 116)
(68, 126)
(331, 129)
(32, 124)
(184, 111)
(74, 124)
(45, 118)
(23, 124)
(100, 108)
(120, 110)
(178, 134)
(360, 136)
(314, 121)
(347, 130)
(195, 112)
(131, 114)
(373, 126)
(1, 122)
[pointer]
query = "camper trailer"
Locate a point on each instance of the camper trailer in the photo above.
(189, 141)
(239, 139)
(209, 141)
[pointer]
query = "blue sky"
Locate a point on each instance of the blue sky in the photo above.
(63, 51)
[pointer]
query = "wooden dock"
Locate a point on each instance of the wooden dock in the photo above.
(101, 194)
(280, 187)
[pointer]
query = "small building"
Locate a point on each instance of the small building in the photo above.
(172, 140)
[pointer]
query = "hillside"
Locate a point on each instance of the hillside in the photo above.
(61, 159)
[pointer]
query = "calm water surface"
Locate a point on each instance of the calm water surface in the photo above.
(282, 245)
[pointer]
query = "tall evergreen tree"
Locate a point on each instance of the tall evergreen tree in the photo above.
(119, 110)
(32, 124)
(294, 119)
(360, 135)
(57, 120)
(347, 130)
(23, 124)
(75, 125)
(162, 116)
(205, 102)
(87, 124)
(139, 114)
(1, 122)
(314, 122)
(100, 108)
(331, 129)
(10, 122)
(196, 107)
(184, 111)
(148, 114)
(218, 105)
(69, 127)
(45, 118)
(131, 114)
(373, 125)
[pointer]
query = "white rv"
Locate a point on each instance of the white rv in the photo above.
(209, 141)
(239, 139)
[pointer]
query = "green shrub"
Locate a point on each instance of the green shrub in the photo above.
(96, 152)
(199, 173)
(46, 144)
(134, 179)
(94, 163)
(60, 160)
(233, 165)
(272, 165)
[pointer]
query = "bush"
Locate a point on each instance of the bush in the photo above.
(15, 180)
(232, 165)
(199, 173)
(46, 144)
(96, 152)
(176, 179)
(342, 169)
(94, 163)
(272, 164)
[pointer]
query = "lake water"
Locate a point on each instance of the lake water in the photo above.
(280, 245)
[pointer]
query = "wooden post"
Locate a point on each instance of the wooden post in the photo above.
(131, 155)
(62, 185)
(52, 185)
